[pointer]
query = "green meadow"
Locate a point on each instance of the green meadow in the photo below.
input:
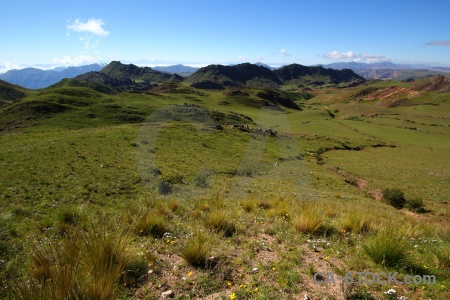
(134, 195)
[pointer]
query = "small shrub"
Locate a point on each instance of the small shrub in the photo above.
(416, 205)
(163, 187)
(248, 172)
(154, 171)
(200, 180)
(394, 197)
(386, 249)
(172, 178)
(196, 250)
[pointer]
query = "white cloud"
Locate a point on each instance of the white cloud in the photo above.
(369, 58)
(350, 55)
(283, 51)
(335, 55)
(93, 26)
(90, 32)
(242, 58)
(75, 61)
(5, 66)
(438, 43)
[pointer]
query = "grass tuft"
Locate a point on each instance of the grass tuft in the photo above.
(196, 250)
(387, 249)
(219, 220)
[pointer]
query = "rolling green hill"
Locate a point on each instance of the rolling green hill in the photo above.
(238, 193)
(10, 93)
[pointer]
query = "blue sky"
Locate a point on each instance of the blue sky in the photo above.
(198, 33)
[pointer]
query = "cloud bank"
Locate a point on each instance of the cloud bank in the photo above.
(350, 55)
(74, 60)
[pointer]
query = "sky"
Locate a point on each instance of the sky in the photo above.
(197, 33)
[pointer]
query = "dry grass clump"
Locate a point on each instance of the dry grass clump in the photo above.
(219, 220)
(307, 219)
(356, 222)
(90, 264)
(196, 250)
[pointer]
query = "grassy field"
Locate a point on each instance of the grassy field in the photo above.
(130, 196)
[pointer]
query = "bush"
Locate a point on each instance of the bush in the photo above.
(200, 180)
(163, 187)
(154, 171)
(394, 197)
(172, 178)
(246, 171)
(415, 205)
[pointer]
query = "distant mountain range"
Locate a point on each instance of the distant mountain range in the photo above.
(179, 69)
(33, 78)
(118, 76)
(391, 71)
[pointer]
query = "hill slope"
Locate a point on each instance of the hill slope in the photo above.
(10, 93)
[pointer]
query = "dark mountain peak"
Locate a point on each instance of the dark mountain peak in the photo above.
(122, 72)
(296, 74)
(244, 74)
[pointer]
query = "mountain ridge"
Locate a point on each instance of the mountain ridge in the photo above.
(34, 78)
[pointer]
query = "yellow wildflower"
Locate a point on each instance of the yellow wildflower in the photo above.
(229, 283)
(189, 274)
(233, 296)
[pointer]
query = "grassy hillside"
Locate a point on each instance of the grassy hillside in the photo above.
(240, 194)
(10, 93)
